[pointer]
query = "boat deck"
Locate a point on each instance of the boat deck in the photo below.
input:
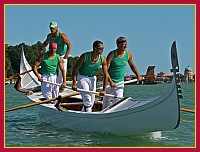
(75, 103)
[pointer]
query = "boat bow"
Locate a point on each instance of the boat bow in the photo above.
(29, 80)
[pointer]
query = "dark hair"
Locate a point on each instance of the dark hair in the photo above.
(119, 40)
(96, 44)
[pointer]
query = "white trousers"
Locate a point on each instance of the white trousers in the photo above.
(117, 91)
(49, 90)
(87, 83)
(59, 77)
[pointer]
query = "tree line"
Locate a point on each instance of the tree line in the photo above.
(13, 56)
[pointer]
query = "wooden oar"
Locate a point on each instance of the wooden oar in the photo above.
(187, 110)
(120, 83)
(125, 82)
(69, 95)
(87, 91)
(97, 93)
(44, 101)
(186, 120)
(40, 102)
(7, 79)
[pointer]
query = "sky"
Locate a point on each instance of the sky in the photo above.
(149, 29)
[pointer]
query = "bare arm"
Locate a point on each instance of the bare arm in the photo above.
(75, 70)
(133, 67)
(109, 59)
(67, 42)
(105, 76)
(45, 43)
(36, 65)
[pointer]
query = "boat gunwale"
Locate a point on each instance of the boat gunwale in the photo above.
(99, 114)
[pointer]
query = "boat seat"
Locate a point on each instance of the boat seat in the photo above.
(78, 103)
(115, 104)
(77, 106)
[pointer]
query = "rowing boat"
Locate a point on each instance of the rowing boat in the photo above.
(126, 117)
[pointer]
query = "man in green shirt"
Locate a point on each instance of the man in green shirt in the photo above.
(116, 63)
(63, 46)
(49, 61)
(85, 72)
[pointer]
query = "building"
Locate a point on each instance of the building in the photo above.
(188, 75)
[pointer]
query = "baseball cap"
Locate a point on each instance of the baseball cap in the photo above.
(53, 25)
(53, 45)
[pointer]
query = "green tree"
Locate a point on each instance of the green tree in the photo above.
(13, 57)
(8, 67)
(13, 54)
(70, 65)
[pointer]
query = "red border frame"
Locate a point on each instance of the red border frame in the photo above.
(92, 2)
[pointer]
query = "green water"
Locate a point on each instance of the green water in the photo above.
(24, 129)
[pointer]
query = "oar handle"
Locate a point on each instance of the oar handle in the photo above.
(20, 74)
(125, 82)
(82, 90)
(25, 72)
(120, 83)
(28, 71)
(52, 83)
(94, 92)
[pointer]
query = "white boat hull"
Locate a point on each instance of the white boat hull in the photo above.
(129, 117)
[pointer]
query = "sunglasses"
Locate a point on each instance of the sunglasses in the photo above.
(121, 41)
(100, 48)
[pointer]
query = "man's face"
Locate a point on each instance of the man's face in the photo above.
(53, 47)
(53, 30)
(123, 45)
(100, 48)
